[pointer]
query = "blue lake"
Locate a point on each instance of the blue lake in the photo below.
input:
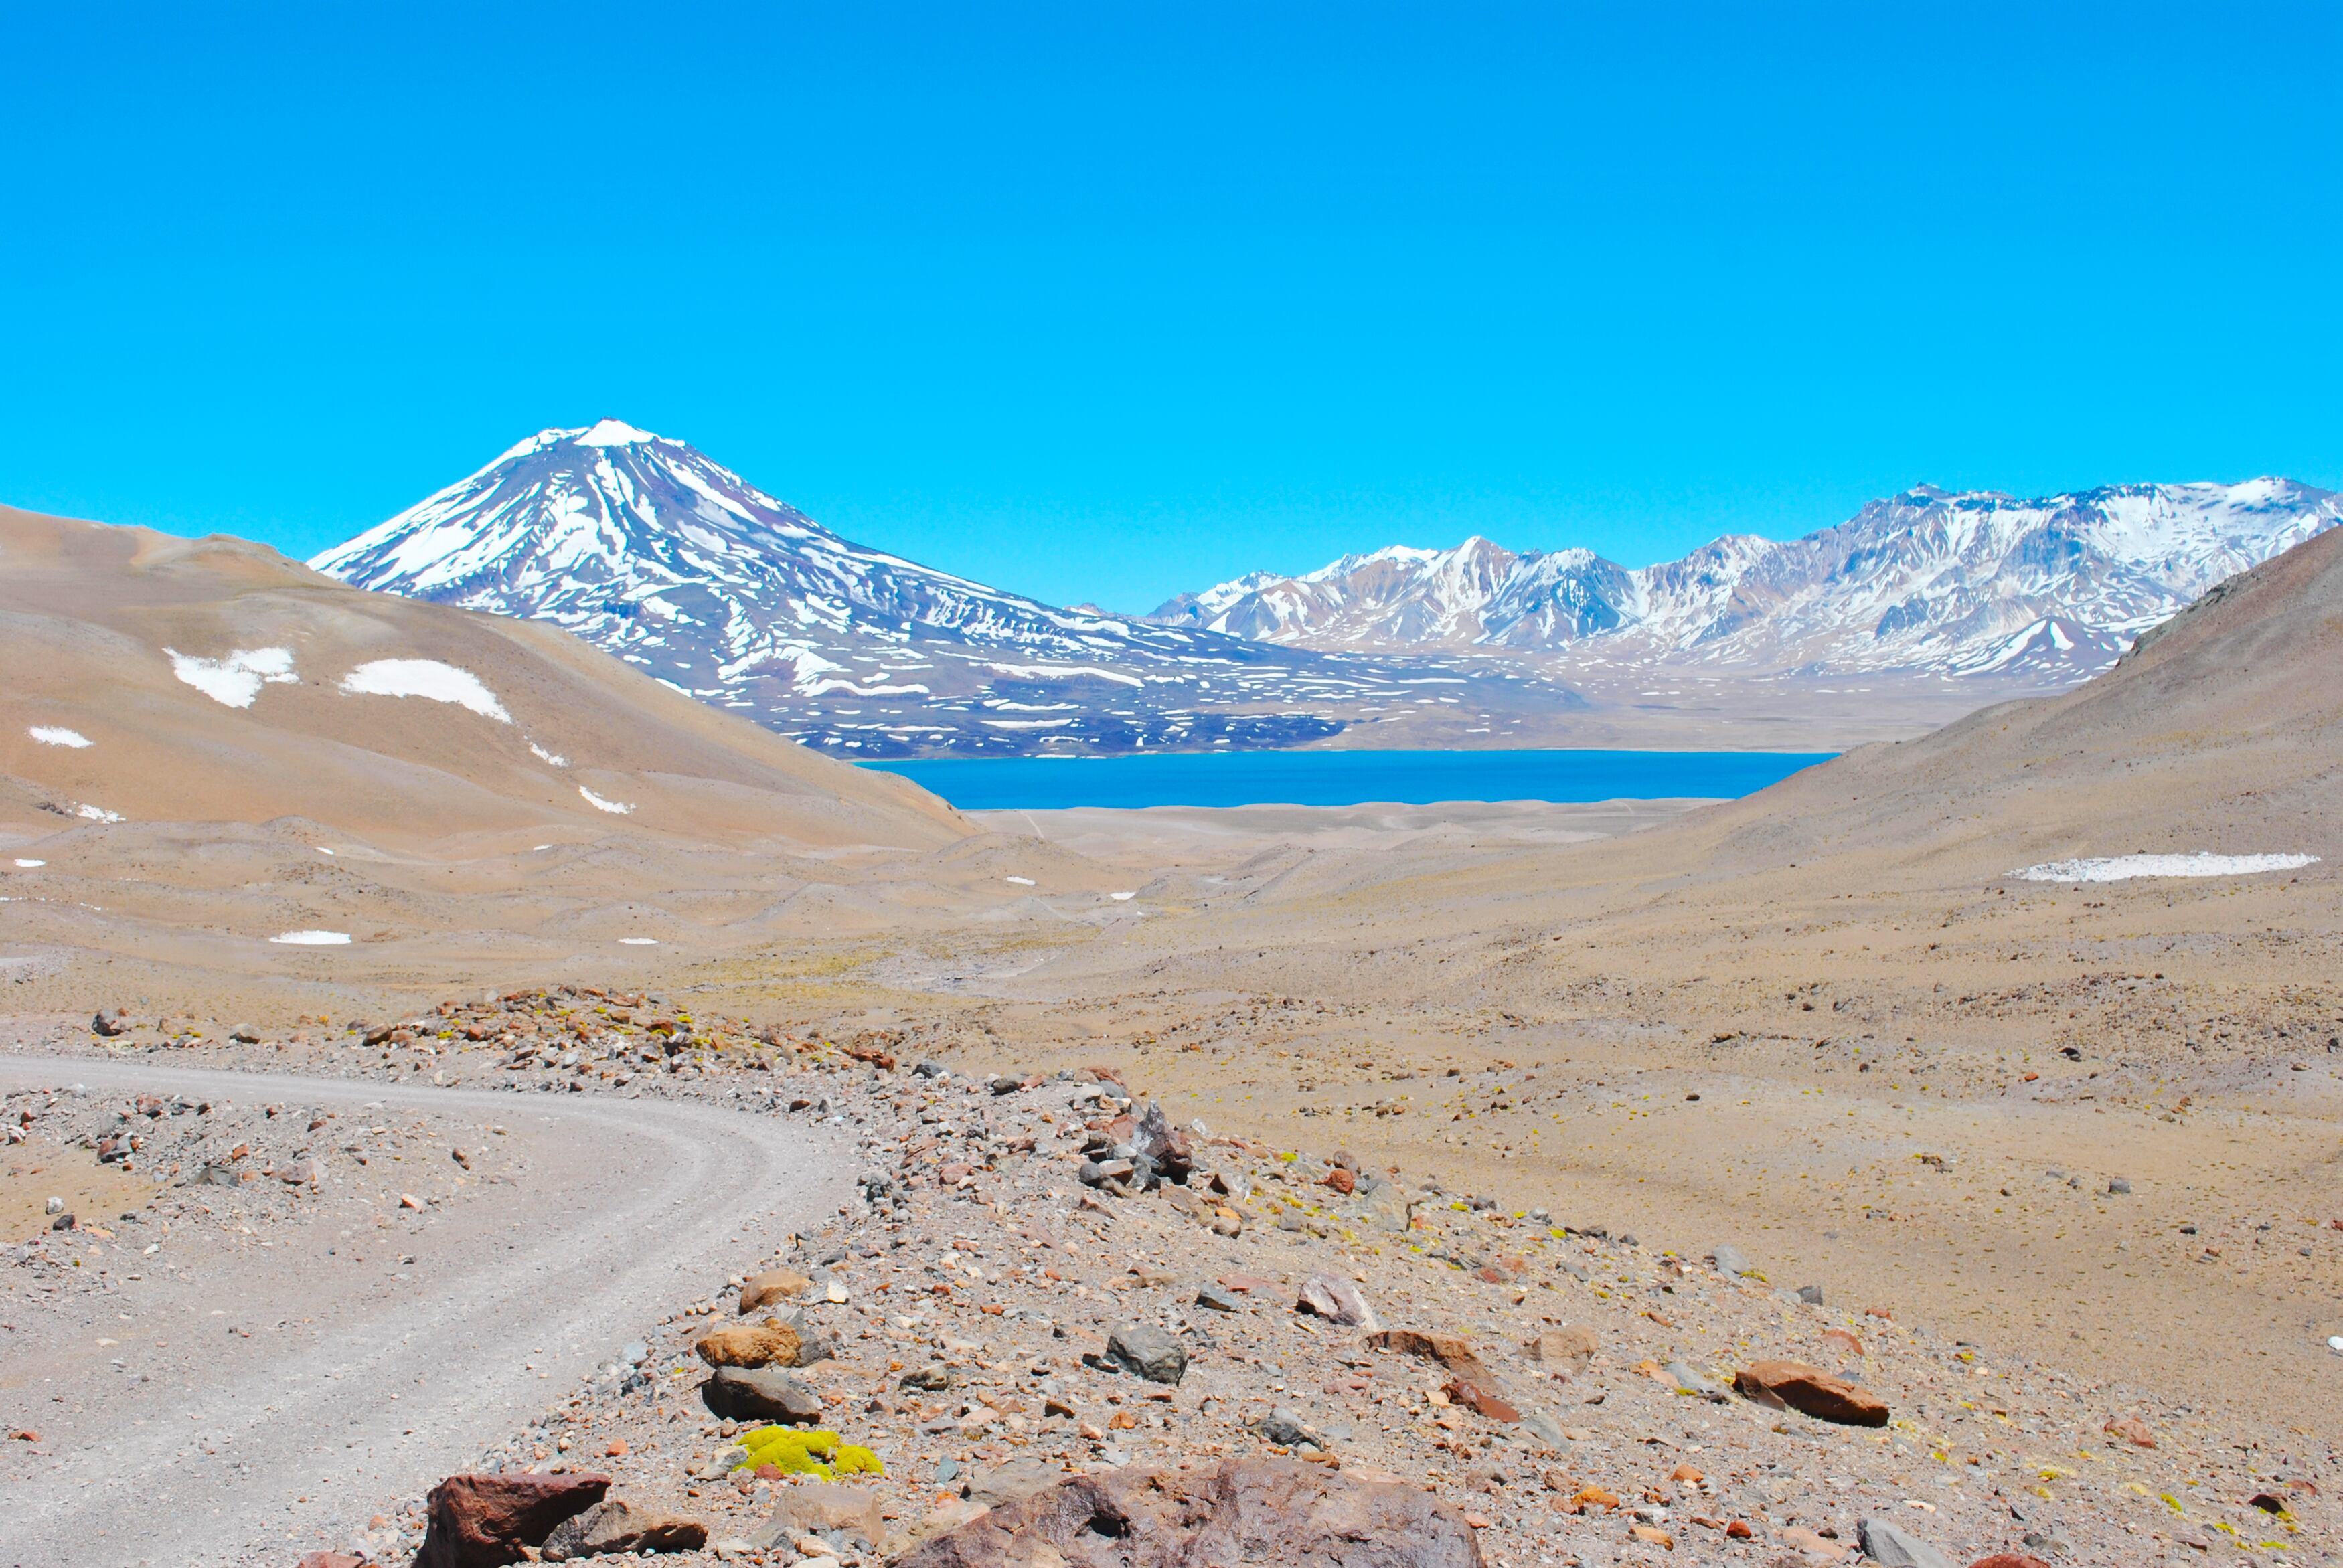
(1345, 778)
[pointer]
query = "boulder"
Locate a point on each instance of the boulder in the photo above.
(484, 1521)
(762, 1395)
(1264, 1512)
(1012, 1479)
(1159, 1149)
(769, 1343)
(1380, 1203)
(1326, 1296)
(1149, 1352)
(1892, 1546)
(1729, 1260)
(823, 1505)
(1570, 1347)
(772, 1285)
(1809, 1389)
(1450, 1350)
(109, 1022)
(615, 1525)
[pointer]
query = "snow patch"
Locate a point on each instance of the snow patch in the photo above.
(2123, 868)
(97, 814)
(614, 433)
(312, 940)
(237, 679)
(1122, 897)
(1021, 882)
(58, 734)
(613, 807)
(551, 759)
(425, 678)
(639, 942)
(31, 865)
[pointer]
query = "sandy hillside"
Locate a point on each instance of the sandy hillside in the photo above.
(213, 680)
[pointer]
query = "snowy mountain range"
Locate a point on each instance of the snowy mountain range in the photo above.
(1928, 582)
(645, 548)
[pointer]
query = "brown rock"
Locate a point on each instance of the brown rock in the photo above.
(772, 1285)
(1341, 1180)
(484, 1521)
(1654, 1535)
(1812, 1547)
(1265, 1512)
(1843, 1340)
(769, 1343)
(1450, 1350)
(1570, 1346)
(1481, 1400)
(2132, 1430)
(330, 1560)
(1809, 1389)
(617, 1525)
(2009, 1559)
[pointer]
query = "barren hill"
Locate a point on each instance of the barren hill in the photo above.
(154, 678)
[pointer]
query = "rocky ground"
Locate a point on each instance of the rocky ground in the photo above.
(1048, 1275)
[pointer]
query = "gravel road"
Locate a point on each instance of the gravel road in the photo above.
(244, 1407)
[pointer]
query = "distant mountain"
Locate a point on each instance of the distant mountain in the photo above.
(643, 547)
(1926, 582)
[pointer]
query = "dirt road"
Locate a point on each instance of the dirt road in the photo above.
(245, 1407)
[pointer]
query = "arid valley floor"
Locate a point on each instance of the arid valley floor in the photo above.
(2060, 1157)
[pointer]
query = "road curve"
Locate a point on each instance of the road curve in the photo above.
(180, 1449)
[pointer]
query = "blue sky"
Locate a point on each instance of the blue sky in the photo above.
(1102, 302)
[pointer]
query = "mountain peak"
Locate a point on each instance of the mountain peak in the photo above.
(615, 433)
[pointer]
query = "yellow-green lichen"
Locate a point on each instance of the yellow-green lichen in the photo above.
(805, 1452)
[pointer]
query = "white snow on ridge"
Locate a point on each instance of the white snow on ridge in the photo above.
(59, 735)
(551, 759)
(237, 679)
(425, 678)
(312, 940)
(96, 813)
(2123, 868)
(614, 808)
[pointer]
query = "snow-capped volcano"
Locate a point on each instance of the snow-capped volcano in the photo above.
(1927, 581)
(647, 548)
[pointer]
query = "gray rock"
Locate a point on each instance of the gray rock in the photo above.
(1008, 1481)
(1811, 1294)
(2119, 1186)
(2048, 1542)
(1149, 1352)
(1689, 1380)
(614, 1526)
(1730, 1260)
(1285, 1428)
(1099, 1172)
(1544, 1428)
(1218, 1300)
(932, 1070)
(634, 1354)
(1892, 1546)
(1380, 1203)
(760, 1393)
(933, 1379)
(1338, 1300)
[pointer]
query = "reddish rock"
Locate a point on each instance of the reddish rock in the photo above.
(1264, 1512)
(1341, 1180)
(1570, 1346)
(2132, 1430)
(330, 1560)
(1809, 1389)
(2009, 1559)
(484, 1521)
(1474, 1397)
(1450, 1350)
(772, 1285)
(769, 1343)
